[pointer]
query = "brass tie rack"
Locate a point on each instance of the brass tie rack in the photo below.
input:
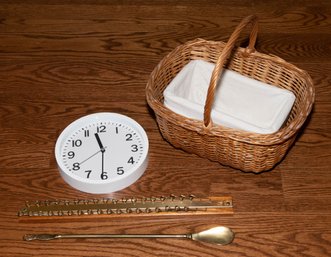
(107, 207)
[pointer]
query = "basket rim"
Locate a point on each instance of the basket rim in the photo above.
(283, 134)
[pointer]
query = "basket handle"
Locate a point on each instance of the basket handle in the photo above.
(222, 59)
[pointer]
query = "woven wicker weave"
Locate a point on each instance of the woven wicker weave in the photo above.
(239, 149)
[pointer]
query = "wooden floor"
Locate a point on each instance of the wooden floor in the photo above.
(64, 60)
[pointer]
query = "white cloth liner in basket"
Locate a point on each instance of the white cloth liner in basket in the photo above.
(240, 102)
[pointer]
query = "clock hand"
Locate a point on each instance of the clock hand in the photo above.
(99, 142)
(102, 149)
(92, 156)
(103, 159)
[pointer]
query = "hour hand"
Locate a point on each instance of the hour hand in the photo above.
(102, 148)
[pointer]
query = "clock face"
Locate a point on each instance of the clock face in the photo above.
(102, 153)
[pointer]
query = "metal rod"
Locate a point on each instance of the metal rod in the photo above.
(46, 237)
(121, 236)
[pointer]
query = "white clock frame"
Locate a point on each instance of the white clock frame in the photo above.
(111, 148)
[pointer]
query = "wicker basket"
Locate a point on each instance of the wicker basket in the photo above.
(239, 149)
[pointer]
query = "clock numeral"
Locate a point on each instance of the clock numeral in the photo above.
(101, 129)
(71, 154)
(88, 173)
(131, 160)
(75, 166)
(120, 171)
(104, 175)
(86, 133)
(134, 148)
(76, 143)
(128, 137)
(116, 130)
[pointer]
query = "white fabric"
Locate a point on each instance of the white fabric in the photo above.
(240, 102)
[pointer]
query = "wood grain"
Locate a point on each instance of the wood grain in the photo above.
(65, 59)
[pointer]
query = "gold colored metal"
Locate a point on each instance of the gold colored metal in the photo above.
(217, 235)
(128, 206)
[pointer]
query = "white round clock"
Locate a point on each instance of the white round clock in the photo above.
(102, 152)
